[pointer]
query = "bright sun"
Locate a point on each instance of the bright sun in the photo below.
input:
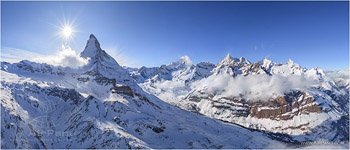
(67, 31)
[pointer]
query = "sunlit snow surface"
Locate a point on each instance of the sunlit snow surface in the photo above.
(44, 106)
(101, 104)
(234, 77)
(92, 122)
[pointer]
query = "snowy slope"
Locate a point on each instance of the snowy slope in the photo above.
(100, 106)
(267, 96)
(183, 70)
(172, 81)
(340, 77)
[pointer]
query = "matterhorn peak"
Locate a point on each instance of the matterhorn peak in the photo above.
(92, 37)
(101, 62)
(92, 47)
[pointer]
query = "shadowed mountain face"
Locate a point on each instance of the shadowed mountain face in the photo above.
(103, 105)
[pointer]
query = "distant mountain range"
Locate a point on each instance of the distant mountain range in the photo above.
(233, 104)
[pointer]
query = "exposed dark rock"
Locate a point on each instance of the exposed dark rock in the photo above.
(65, 94)
(281, 107)
(122, 89)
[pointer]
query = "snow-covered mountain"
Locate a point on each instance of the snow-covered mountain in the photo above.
(306, 104)
(100, 105)
(341, 78)
(183, 70)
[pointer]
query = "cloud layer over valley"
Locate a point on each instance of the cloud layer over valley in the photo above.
(254, 87)
(65, 57)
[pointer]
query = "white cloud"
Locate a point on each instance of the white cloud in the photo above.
(253, 87)
(186, 60)
(336, 74)
(65, 57)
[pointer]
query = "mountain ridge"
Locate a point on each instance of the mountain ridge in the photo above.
(79, 109)
(103, 105)
(321, 97)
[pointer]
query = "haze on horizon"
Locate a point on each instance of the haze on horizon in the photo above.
(313, 34)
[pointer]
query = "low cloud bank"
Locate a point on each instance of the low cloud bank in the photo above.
(65, 57)
(339, 74)
(254, 87)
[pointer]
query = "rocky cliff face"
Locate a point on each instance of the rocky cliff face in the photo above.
(282, 108)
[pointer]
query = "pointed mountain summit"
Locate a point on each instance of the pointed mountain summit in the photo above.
(227, 60)
(224, 66)
(101, 63)
(266, 64)
(236, 66)
(96, 54)
(230, 61)
(243, 60)
(291, 63)
(92, 47)
(228, 57)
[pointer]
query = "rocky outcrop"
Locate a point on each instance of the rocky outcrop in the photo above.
(285, 108)
(122, 89)
(281, 108)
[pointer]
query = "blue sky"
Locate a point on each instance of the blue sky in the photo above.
(313, 34)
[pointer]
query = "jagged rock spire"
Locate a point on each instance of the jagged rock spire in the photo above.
(227, 60)
(101, 63)
(92, 47)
